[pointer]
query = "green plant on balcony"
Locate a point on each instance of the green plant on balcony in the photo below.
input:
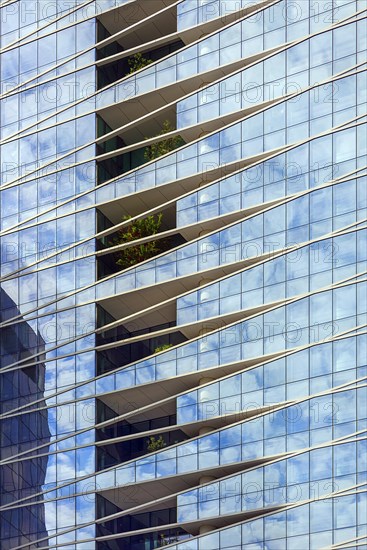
(155, 443)
(162, 347)
(165, 541)
(138, 229)
(165, 145)
(137, 61)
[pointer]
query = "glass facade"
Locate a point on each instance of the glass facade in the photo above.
(183, 320)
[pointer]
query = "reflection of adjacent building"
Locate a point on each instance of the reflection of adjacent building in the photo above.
(22, 432)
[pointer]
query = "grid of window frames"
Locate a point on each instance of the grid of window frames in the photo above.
(258, 418)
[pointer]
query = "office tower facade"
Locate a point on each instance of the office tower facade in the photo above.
(183, 274)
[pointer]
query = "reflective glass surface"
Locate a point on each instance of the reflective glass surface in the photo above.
(259, 413)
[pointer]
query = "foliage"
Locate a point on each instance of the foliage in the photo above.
(137, 61)
(165, 145)
(139, 229)
(162, 348)
(155, 444)
(164, 541)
